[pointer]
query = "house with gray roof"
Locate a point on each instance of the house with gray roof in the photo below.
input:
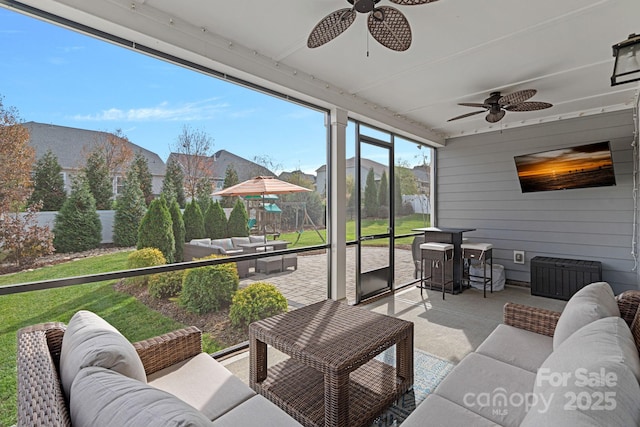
(71, 145)
(220, 161)
(365, 165)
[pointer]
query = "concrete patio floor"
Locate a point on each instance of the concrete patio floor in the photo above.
(449, 328)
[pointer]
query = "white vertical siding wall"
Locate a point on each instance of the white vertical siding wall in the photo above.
(477, 187)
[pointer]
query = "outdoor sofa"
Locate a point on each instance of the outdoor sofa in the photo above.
(88, 374)
(544, 368)
(200, 248)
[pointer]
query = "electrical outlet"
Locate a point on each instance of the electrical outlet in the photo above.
(518, 257)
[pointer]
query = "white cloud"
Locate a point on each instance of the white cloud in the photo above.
(165, 111)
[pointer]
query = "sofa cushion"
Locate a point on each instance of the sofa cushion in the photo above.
(102, 397)
(91, 341)
(606, 339)
(517, 347)
(590, 380)
(200, 242)
(590, 303)
(256, 412)
(239, 241)
(203, 383)
(223, 243)
(436, 411)
(257, 239)
(487, 387)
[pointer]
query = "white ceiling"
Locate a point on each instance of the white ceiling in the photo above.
(462, 50)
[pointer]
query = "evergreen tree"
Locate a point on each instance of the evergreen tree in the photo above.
(203, 194)
(178, 230)
(370, 195)
(156, 229)
(173, 183)
(130, 209)
(215, 221)
(140, 165)
(77, 225)
(383, 190)
(230, 179)
(238, 225)
(97, 176)
(397, 194)
(193, 222)
(48, 184)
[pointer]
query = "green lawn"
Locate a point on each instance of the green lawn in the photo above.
(133, 319)
(404, 225)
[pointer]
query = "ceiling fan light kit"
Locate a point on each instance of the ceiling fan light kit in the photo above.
(497, 105)
(387, 25)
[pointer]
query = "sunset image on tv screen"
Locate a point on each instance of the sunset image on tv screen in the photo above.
(575, 167)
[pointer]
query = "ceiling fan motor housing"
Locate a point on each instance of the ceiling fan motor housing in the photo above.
(364, 6)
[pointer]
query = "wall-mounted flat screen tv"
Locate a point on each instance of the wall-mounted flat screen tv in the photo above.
(583, 166)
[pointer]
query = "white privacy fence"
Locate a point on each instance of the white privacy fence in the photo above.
(106, 218)
(419, 203)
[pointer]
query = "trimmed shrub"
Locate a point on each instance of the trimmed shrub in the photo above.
(193, 222)
(166, 285)
(238, 225)
(147, 257)
(156, 229)
(207, 289)
(257, 301)
(215, 224)
(178, 230)
(77, 226)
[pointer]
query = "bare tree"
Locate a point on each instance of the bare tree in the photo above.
(194, 156)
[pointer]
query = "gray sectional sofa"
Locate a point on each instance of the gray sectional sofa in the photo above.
(88, 374)
(200, 248)
(543, 368)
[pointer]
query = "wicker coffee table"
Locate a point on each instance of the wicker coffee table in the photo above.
(331, 378)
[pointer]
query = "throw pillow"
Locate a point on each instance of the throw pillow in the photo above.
(101, 397)
(590, 303)
(91, 341)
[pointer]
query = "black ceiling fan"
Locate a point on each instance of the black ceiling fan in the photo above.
(386, 24)
(498, 105)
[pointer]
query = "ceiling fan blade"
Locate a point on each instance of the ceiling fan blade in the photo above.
(330, 27)
(392, 30)
(528, 106)
(473, 104)
(516, 97)
(466, 115)
(495, 117)
(411, 2)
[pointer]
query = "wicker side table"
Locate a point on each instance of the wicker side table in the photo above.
(332, 378)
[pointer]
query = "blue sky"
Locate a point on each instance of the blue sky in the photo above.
(57, 76)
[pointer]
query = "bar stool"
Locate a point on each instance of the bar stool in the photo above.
(480, 253)
(438, 256)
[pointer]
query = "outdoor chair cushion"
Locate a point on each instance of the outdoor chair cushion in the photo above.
(239, 241)
(204, 384)
(517, 347)
(225, 244)
(478, 379)
(590, 303)
(201, 242)
(256, 412)
(91, 341)
(102, 397)
(257, 239)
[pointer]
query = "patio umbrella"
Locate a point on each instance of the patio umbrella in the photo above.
(261, 186)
